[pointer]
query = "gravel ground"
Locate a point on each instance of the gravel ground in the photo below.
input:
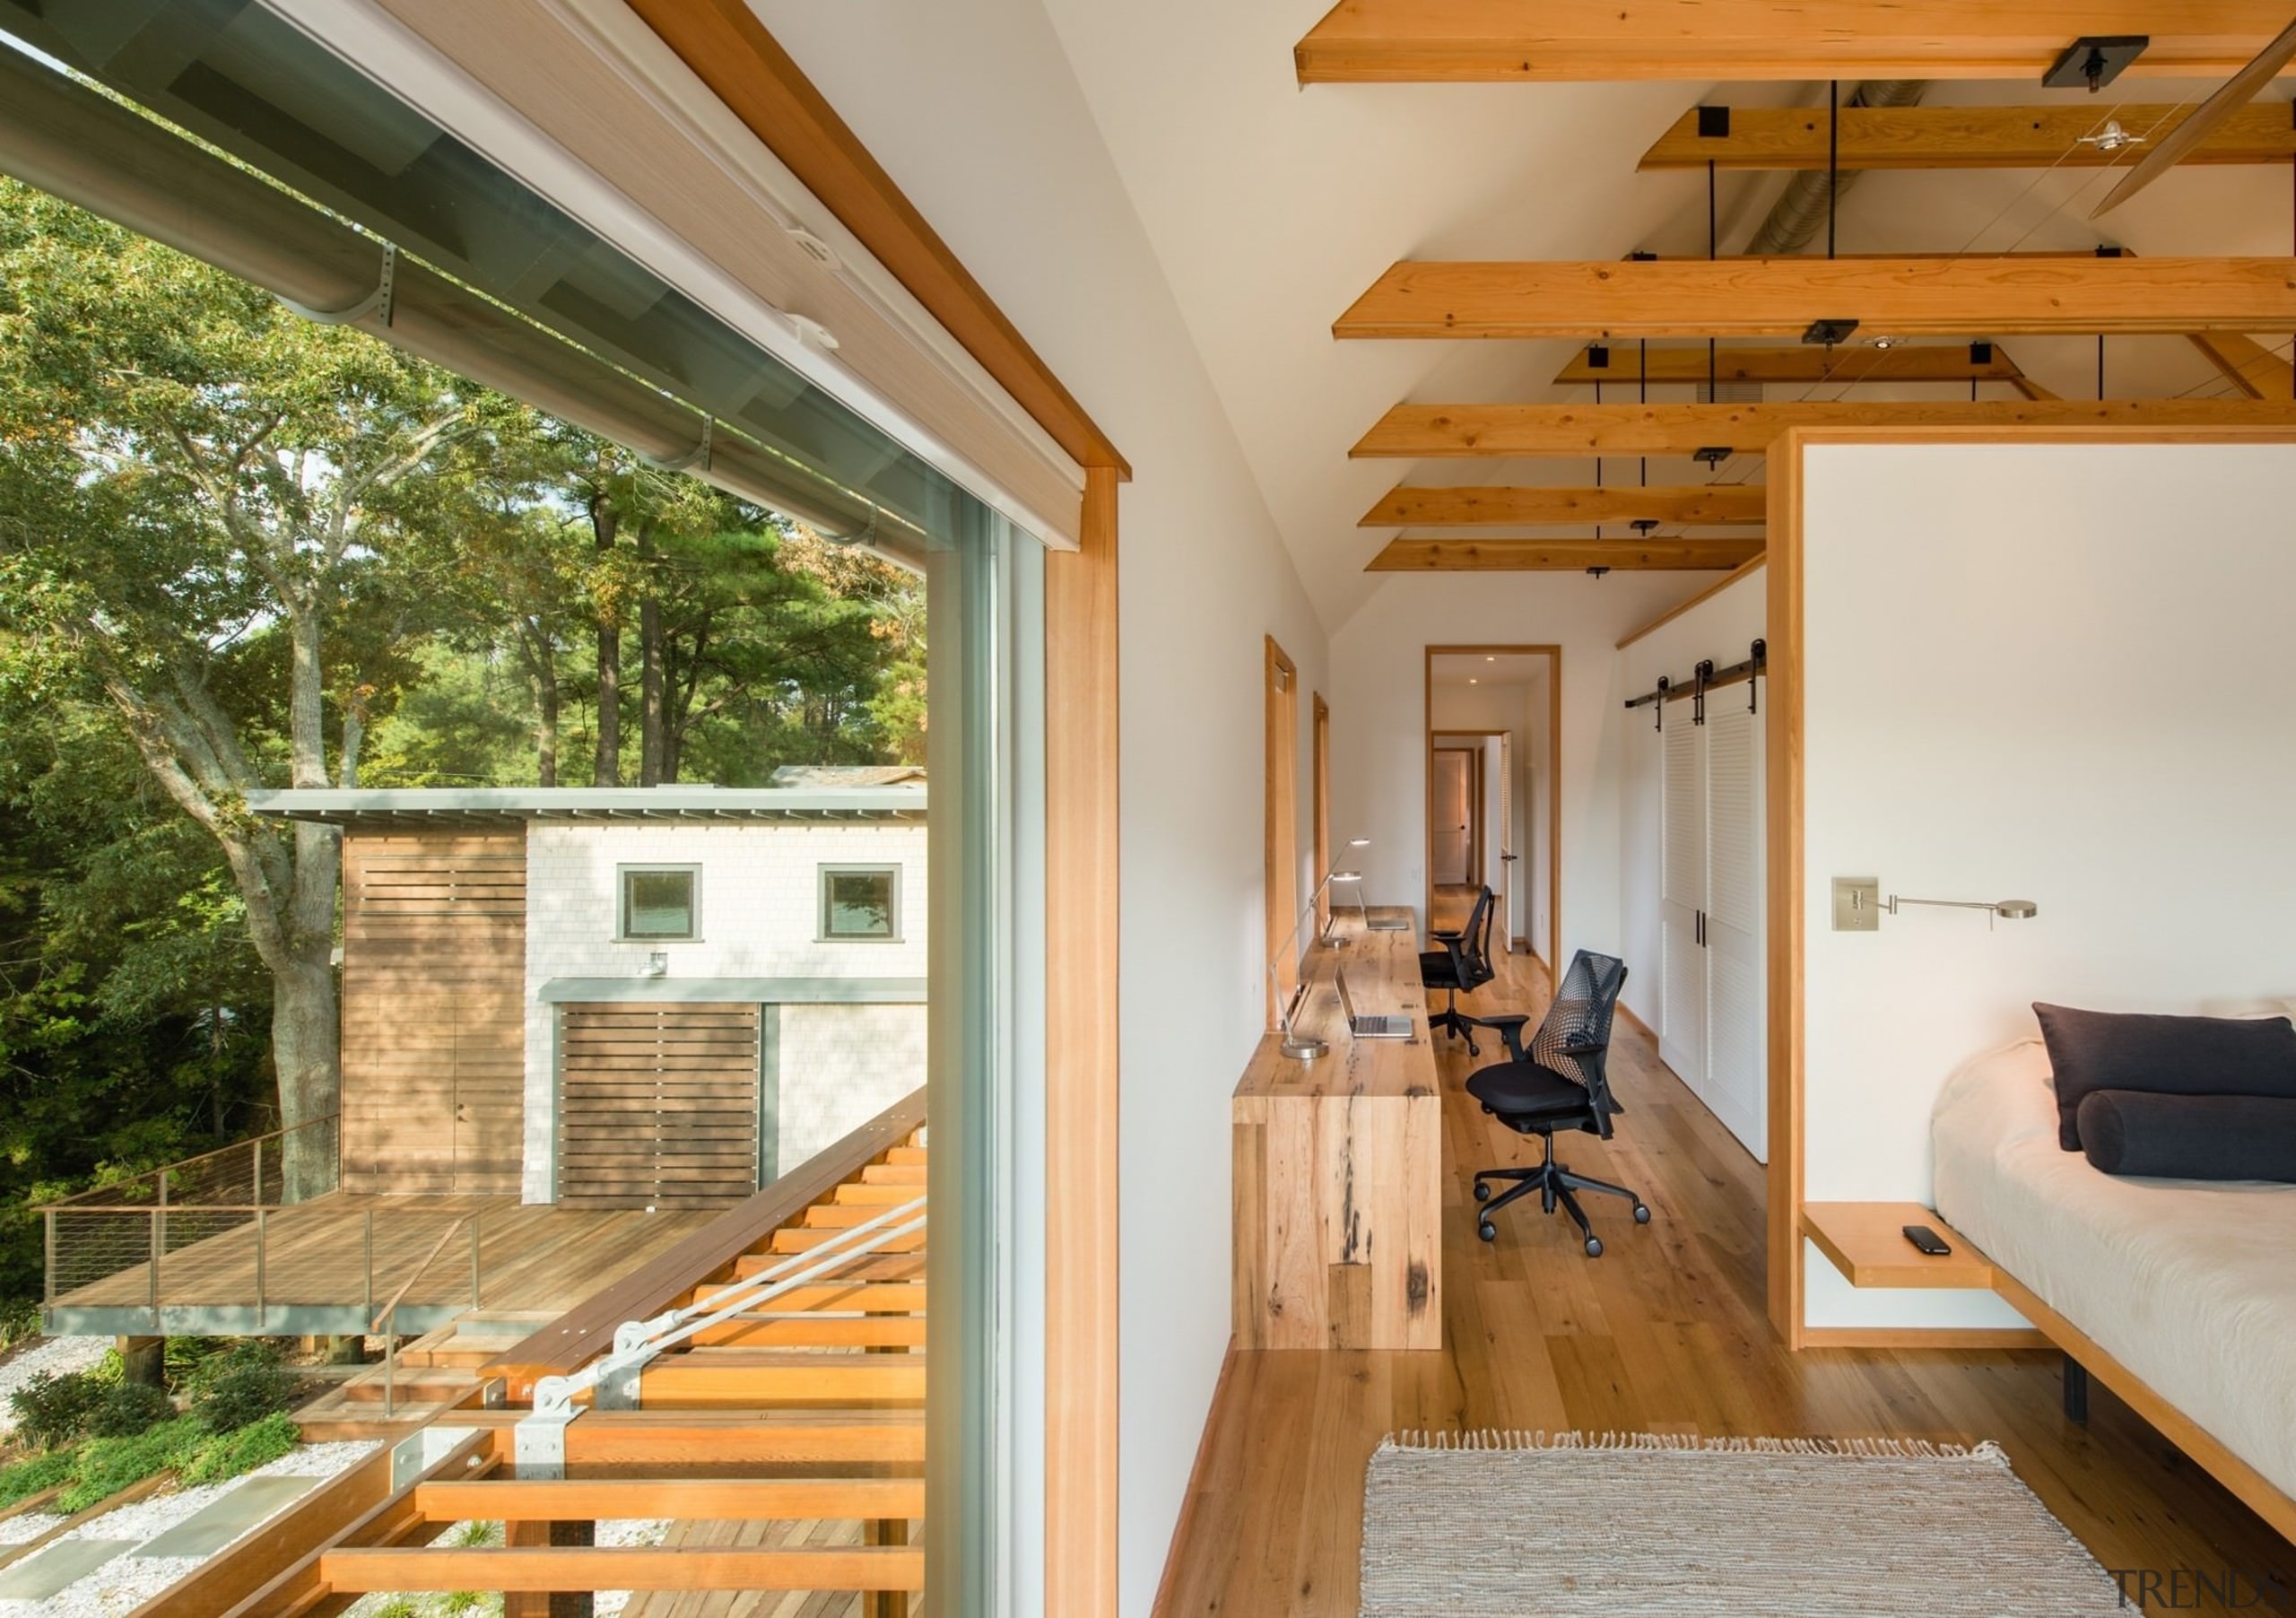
(126, 1582)
(51, 1355)
(27, 1527)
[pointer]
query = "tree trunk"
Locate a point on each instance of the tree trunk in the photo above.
(606, 771)
(652, 731)
(305, 1049)
(545, 675)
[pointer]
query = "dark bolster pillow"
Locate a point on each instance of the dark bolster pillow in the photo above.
(2162, 1056)
(2189, 1137)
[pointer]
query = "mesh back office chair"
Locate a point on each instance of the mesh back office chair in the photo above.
(1462, 965)
(1559, 1084)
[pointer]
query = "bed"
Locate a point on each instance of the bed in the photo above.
(2190, 1285)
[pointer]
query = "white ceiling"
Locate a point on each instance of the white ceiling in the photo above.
(1271, 207)
(1488, 668)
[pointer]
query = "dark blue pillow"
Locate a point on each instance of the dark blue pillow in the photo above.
(2162, 1056)
(2191, 1136)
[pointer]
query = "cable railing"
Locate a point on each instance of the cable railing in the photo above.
(247, 1238)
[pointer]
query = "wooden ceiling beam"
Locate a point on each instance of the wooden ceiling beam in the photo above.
(1696, 506)
(1561, 555)
(1772, 138)
(1907, 362)
(1449, 431)
(1430, 41)
(2252, 368)
(1781, 297)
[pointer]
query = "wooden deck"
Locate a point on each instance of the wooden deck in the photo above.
(327, 1265)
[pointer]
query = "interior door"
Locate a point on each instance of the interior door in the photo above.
(1510, 924)
(1681, 910)
(1453, 813)
(1738, 1084)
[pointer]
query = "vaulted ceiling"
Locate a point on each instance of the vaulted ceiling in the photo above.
(1274, 207)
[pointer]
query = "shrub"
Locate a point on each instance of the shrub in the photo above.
(129, 1408)
(185, 1357)
(18, 1319)
(52, 1411)
(30, 1477)
(226, 1455)
(102, 1468)
(241, 1385)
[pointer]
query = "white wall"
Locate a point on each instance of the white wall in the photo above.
(1723, 627)
(2046, 672)
(971, 107)
(760, 915)
(1378, 778)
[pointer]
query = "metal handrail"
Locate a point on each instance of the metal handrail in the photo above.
(388, 1314)
(115, 1194)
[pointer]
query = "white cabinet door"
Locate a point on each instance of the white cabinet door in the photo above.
(1682, 1033)
(1735, 1082)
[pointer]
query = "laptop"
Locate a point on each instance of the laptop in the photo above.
(1370, 1025)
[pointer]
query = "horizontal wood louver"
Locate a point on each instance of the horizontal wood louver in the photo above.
(434, 959)
(658, 1105)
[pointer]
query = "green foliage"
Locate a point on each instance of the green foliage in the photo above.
(31, 1476)
(226, 1455)
(51, 1410)
(18, 1320)
(243, 1384)
(129, 1408)
(102, 1468)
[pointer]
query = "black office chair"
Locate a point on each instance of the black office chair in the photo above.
(1559, 1084)
(1460, 966)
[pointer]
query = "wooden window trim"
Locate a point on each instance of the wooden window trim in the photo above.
(1279, 819)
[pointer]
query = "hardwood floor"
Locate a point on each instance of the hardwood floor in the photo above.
(1665, 1333)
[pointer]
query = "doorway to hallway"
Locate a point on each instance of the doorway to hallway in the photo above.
(1493, 803)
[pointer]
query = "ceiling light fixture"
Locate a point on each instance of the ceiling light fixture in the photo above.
(1885, 342)
(1711, 455)
(1596, 572)
(2112, 138)
(1829, 333)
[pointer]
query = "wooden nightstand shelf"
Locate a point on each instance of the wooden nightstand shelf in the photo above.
(1866, 1242)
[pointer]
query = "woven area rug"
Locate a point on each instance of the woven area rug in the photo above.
(1532, 1526)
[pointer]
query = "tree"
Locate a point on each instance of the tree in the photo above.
(193, 485)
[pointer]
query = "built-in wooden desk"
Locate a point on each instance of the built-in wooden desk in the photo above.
(1338, 1170)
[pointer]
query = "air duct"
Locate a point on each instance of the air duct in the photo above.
(57, 135)
(1801, 209)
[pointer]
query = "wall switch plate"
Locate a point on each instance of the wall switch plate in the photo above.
(1857, 904)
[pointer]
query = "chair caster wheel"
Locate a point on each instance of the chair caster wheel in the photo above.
(1641, 1214)
(1594, 1247)
(1487, 1230)
(1481, 1192)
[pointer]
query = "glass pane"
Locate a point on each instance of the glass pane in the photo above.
(859, 904)
(658, 904)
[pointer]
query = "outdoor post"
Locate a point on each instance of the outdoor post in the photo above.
(259, 1226)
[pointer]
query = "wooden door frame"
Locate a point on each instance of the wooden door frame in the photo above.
(1553, 760)
(1784, 779)
(1280, 812)
(1320, 790)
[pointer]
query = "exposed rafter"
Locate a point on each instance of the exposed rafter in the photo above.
(1405, 41)
(2251, 367)
(1782, 297)
(1961, 137)
(1695, 506)
(1560, 555)
(1430, 431)
(1907, 362)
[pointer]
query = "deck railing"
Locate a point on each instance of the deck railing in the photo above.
(218, 1234)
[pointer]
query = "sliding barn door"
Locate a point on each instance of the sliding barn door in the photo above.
(1736, 1086)
(657, 1105)
(1682, 1035)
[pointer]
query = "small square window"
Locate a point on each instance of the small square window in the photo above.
(861, 901)
(660, 901)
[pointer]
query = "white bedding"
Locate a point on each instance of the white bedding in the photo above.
(2190, 1284)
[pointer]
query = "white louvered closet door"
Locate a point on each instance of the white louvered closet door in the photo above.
(1735, 1085)
(1682, 1035)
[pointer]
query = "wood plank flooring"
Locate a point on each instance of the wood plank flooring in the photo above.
(1665, 1333)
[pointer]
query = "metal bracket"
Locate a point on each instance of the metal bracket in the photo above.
(538, 1442)
(1760, 658)
(697, 458)
(1704, 672)
(1665, 685)
(382, 298)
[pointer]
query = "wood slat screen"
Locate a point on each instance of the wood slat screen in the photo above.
(434, 961)
(657, 1105)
